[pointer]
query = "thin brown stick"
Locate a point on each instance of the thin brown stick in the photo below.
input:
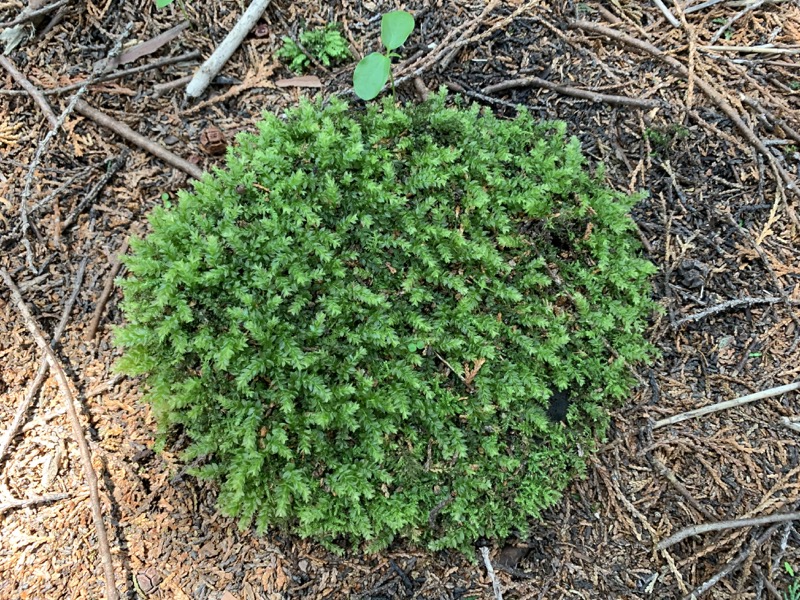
(734, 18)
(415, 68)
(699, 412)
(767, 583)
(77, 430)
(41, 374)
(767, 263)
(571, 91)
(129, 134)
(721, 525)
(26, 15)
(116, 264)
(102, 388)
(773, 120)
(707, 89)
(667, 473)
(162, 62)
(468, 32)
(31, 89)
(732, 565)
(40, 149)
(449, 366)
(160, 89)
(112, 169)
(6, 506)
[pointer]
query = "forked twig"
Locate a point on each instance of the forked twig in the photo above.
(733, 564)
(77, 430)
(111, 170)
(28, 15)
(31, 89)
(41, 374)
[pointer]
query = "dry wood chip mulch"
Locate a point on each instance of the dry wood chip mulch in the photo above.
(702, 115)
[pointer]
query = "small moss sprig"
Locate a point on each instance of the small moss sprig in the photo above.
(327, 45)
(375, 69)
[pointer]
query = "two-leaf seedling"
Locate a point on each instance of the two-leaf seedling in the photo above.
(374, 70)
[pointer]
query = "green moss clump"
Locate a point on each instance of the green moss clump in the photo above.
(361, 322)
(326, 44)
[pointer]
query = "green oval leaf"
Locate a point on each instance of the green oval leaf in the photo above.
(396, 26)
(163, 3)
(371, 74)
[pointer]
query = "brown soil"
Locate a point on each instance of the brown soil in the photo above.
(717, 153)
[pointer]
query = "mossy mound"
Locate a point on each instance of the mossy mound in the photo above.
(361, 322)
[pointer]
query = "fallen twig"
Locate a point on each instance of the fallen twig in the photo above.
(28, 15)
(763, 49)
(571, 91)
(160, 88)
(112, 169)
(129, 134)
(41, 374)
(699, 412)
(748, 7)
(707, 89)
(667, 13)
(225, 50)
(37, 157)
(790, 423)
(116, 264)
(765, 260)
(161, 62)
(699, 7)
(101, 388)
(452, 370)
(77, 430)
(776, 594)
(773, 121)
(667, 473)
(8, 505)
(717, 308)
(31, 89)
(732, 565)
(498, 593)
(735, 524)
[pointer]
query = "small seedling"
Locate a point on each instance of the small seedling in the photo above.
(793, 591)
(164, 3)
(374, 70)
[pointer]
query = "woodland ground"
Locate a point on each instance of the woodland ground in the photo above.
(710, 133)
